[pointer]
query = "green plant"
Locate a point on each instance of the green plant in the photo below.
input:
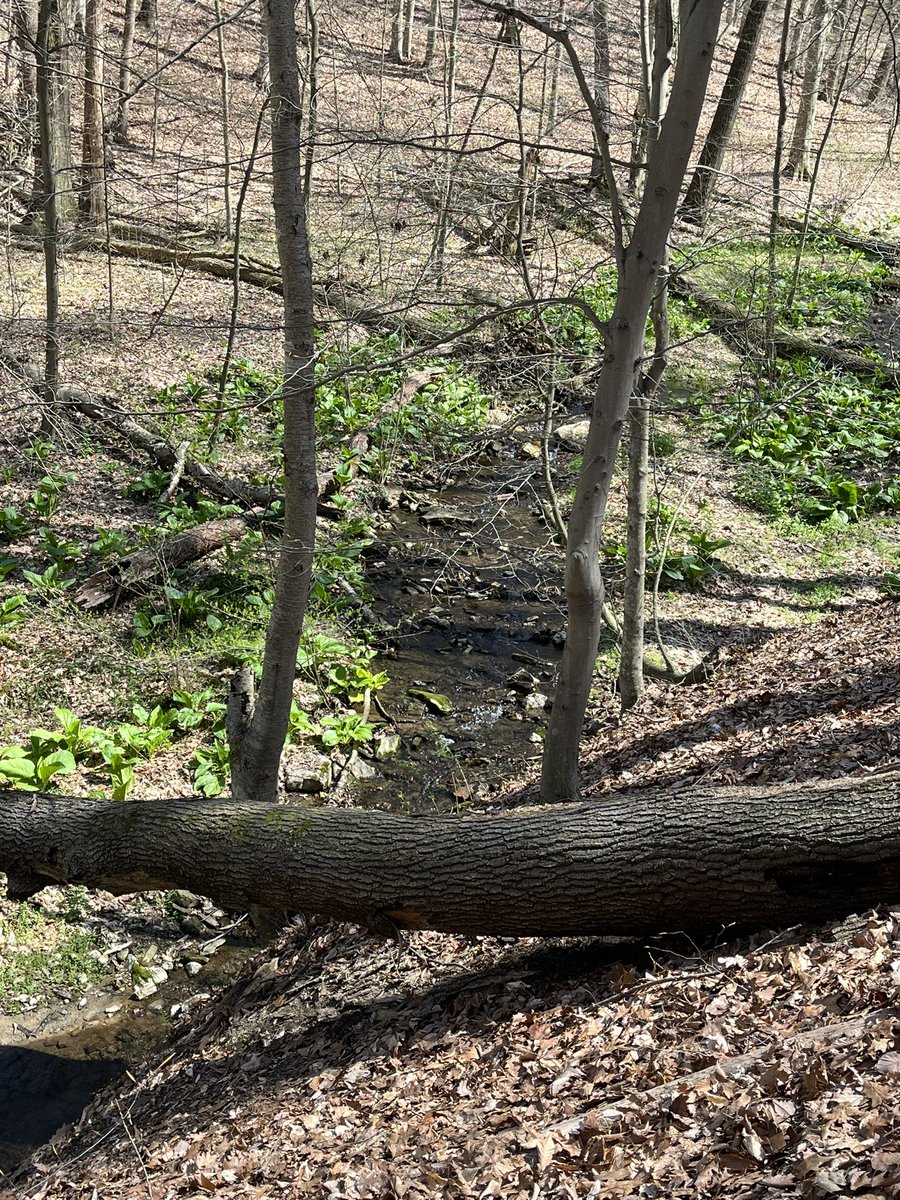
(210, 766)
(42, 952)
(149, 485)
(50, 581)
(109, 543)
(32, 768)
(57, 549)
(8, 564)
(823, 445)
(13, 523)
(347, 729)
(12, 611)
(45, 499)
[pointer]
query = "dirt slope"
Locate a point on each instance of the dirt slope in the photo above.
(342, 1065)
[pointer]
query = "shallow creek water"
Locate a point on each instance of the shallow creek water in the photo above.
(468, 579)
(52, 1062)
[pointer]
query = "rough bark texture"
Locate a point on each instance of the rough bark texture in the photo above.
(92, 200)
(631, 864)
(256, 741)
(799, 160)
(623, 350)
(697, 198)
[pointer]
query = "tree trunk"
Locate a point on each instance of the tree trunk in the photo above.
(886, 67)
(395, 50)
(622, 353)
(632, 864)
(799, 164)
(409, 22)
(121, 122)
(147, 15)
(631, 666)
(601, 86)
(260, 74)
(52, 59)
(92, 200)
(257, 732)
(696, 201)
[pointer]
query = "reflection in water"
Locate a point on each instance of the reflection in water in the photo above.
(39, 1092)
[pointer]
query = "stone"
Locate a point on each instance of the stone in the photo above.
(434, 701)
(386, 745)
(522, 681)
(359, 769)
(535, 704)
(305, 770)
(529, 450)
(573, 434)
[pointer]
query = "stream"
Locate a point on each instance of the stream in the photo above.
(53, 1061)
(469, 581)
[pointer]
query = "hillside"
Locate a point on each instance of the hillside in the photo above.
(463, 280)
(342, 1064)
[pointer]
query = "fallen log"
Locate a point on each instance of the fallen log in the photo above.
(128, 573)
(632, 864)
(745, 331)
(872, 247)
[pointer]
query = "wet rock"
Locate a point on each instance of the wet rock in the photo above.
(359, 769)
(535, 704)
(444, 515)
(434, 701)
(522, 681)
(305, 770)
(573, 434)
(387, 745)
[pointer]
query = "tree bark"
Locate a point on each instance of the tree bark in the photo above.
(121, 122)
(696, 200)
(256, 731)
(798, 164)
(92, 200)
(630, 865)
(638, 273)
(135, 569)
(886, 67)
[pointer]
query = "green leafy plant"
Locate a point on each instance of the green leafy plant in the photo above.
(50, 581)
(13, 523)
(45, 499)
(820, 444)
(12, 611)
(210, 766)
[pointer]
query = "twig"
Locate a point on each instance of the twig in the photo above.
(177, 471)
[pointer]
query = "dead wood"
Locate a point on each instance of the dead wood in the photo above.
(632, 864)
(140, 567)
(745, 331)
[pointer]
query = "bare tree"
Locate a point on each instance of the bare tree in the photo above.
(799, 162)
(120, 126)
(631, 666)
(700, 189)
(52, 57)
(257, 725)
(887, 67)
(93, 184)
(638, 265)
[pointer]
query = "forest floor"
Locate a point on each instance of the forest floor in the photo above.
(341, 1064)
(338, 1064)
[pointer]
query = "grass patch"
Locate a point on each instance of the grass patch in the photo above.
(40, 954)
